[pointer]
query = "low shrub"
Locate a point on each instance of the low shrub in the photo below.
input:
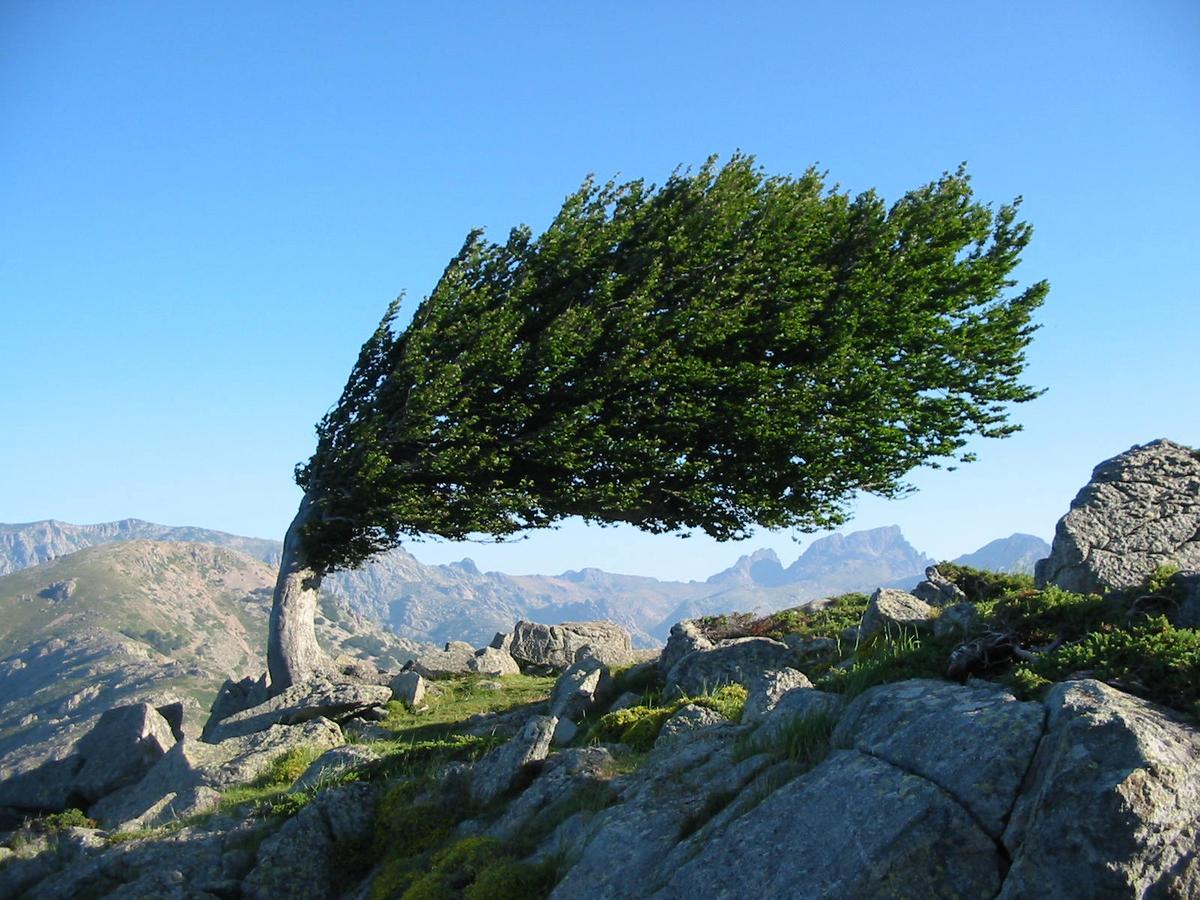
(71, 818)
(981, 585)
(1043, 616)
(1152, 659)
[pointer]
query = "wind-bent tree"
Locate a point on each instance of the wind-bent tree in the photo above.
(727, 350)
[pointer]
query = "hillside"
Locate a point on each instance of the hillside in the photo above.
(136, 619)
(459, 602)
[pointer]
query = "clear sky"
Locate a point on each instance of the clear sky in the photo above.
(206, 207)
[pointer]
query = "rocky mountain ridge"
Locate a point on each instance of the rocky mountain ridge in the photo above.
(136, 620)
(458, 602)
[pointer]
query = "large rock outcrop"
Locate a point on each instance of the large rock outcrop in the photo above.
(1140, 510)
(190, 777)
(553, 648)
(1111, 807)
(312, 699)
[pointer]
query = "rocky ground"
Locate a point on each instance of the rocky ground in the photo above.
(982, 736)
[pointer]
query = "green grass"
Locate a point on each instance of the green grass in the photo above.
(804, 740)
(638, 726)
(453, 701)
(889, 656)
(267, 794)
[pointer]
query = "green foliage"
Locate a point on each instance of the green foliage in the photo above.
(981, 585)
(729, 700)
(1161, 580)
(1040, 617)
(835, 616)
(639, 679)
(638, 726)
(414, 818)
(508, 879)
(71, 818)
(726, 350)
(804, 740)
(891, 656)
(1153, 659)
(481, 868)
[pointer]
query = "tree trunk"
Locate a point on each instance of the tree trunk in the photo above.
(292, 652)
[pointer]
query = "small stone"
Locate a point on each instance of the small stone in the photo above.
(894, 611)
(408, 687)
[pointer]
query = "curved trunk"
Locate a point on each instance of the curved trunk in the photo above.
(292, 652)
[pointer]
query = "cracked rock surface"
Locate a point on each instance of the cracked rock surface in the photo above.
(1140, 510)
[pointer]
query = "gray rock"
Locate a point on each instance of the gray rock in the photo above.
(490, 661)
(236, 696)
(555, 647)
(766, 690)
(813, 650)
(855, 826)
(938, 590)
(686, 720)
(580, 689)
(47, 788)
(331, 764)
(894, 611)
(187, 863)
(564, 732)
(502, 769)
(796, 704)
(408, 687)
(299, 861)
(1111, 806)
(1140, 510)
(958, 619)
(313, 699)
(622, 851)
(455, 659)
(501, 641)
(1188, 613)
(686, 637)
(122, 746)
(975, 742)
(737, 661)
(571, 778)
(189, 778)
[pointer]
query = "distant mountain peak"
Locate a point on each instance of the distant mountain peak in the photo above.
(1015, 553)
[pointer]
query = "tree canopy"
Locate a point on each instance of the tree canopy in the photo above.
(728, 349)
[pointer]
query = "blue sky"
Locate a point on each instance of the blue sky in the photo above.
(207, 206)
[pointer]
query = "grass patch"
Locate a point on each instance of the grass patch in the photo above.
(834, 616)
(452, 701)
(804, 740)
(481, 868)
(889, 656)
(267, 793)
(638, 726)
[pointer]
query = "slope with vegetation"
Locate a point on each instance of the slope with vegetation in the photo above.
(564, 824)
(133, 620)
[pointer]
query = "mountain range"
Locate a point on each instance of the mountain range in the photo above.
(458, 602)
(143, 621)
